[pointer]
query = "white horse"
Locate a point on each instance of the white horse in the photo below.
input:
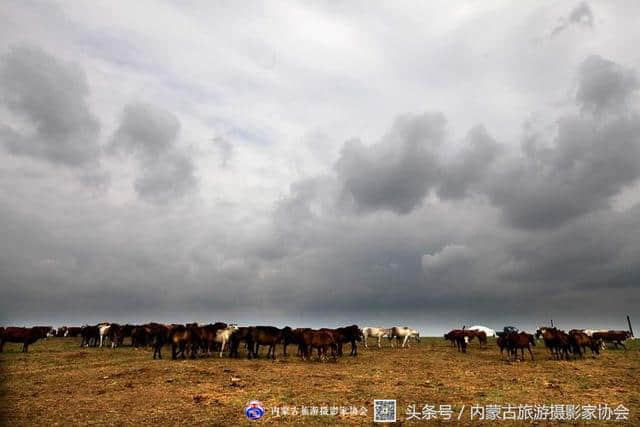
(223, 335)
(490, 332)
(404, 333)
(103, 330)
(374, 332)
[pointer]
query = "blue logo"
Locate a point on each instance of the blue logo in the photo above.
(254, 410)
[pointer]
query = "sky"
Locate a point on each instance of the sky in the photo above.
(319, 163)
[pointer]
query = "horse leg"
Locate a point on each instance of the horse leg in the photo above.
(224, 341)
(530, 353)
(404, 341)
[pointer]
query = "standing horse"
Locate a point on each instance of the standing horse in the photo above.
(103, 332)
(24, 336)
(520, 341)
(269, 336)
(404, 333)
(224, 335)
(375, 332)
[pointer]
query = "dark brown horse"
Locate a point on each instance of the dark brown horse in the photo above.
(615, 337)
(581, 341)
(557, 342)
(243, 334)
(269, 336)
(25, 336)
(320, 340)
(348, 334)
(159, 337)
(519, 341)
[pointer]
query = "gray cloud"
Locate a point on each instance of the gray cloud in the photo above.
(580, 16)
(423, 222)
(470, 166)
(166, 177)
(396, 172)
(52, 95)
(605, 86)
(150, 134)
(590, 159)
(146, 131)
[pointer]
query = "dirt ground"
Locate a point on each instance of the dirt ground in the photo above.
(59, 383)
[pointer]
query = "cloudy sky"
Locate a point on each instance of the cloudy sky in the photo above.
(320, 163)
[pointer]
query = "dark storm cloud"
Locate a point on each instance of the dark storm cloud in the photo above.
(150, 134)
(591, 158)
(470, 166)
(52, 95)
(597, 251)
(605, 86)
(146, 131)
(396, 172)
(166, 177)
(581, 16)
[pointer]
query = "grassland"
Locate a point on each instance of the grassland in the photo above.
(59, 383)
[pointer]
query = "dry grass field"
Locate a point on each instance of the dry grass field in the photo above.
(59, 383)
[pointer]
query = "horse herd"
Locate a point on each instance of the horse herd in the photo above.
(559, 343)
(193, 340)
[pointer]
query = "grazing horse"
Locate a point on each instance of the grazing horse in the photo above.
(479, 328)
(320, 340)
(140, 336)
(375, 332)
(557, 342)
(90, 335)
(580, 341)
(159, 337)
(520, 341)
(25, 336)
(295, 336)
(460, 338)
(223, 336)
(243, 333)
(208, 336)
(481, 335)
(47, 330)
(181, 338)
(403, 333)
(348, 334)
(73, 331)
(269, 336)
(501, 341)
(103, 332)
(115, 330)
(615, 337)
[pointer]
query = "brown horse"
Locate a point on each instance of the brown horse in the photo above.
(580, 341)
(320, 340)
(348, 334)
(520, 341)
(180, 339)
(243, 334)
(159, 337)
(269, 336)
(208, 336)
(557, 342)
(615, 337)
(25, 336)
